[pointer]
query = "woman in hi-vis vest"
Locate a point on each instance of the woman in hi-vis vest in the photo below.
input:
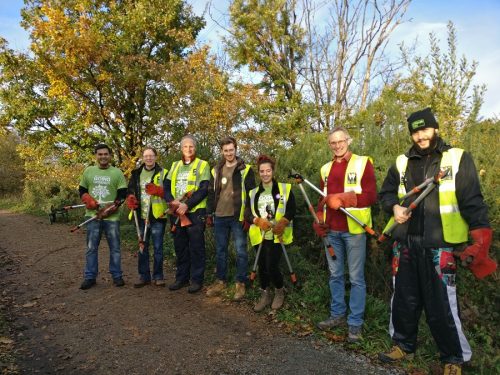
(271, 208)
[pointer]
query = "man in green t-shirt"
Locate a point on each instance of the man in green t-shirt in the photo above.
(102, 183)
(189, 175)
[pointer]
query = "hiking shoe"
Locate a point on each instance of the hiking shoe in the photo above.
(194, 287)
(452, 369)
(279, 298)
(141, 283)
(240, 291)
(331, 322)
(159, 282)
(87, 284)
(119, 281)
(216, 288)
(178, 284)
(393, 355)
(354, 334)
(265, 300)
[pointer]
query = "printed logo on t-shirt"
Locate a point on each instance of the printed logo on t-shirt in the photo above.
(100, 190)
(182, 182)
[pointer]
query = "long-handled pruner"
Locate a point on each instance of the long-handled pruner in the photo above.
(293, 277)
(67, 208)
(138, 230)
(257, 255)
(146, 220)
(106, 210)
(299, 181)
(183, 219)
(429, 185)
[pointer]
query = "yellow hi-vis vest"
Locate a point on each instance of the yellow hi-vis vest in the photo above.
(158, 204)
(455, 228)
(244, 173)
(255, 233)
(352, 182)
(193, 182)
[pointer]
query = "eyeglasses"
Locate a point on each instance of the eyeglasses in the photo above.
(339, 143)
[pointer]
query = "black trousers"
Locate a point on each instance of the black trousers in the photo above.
(424, 279)
(269, 265)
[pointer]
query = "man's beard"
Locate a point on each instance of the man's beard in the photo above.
(432, 145)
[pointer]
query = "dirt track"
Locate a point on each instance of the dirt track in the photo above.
(58, 328)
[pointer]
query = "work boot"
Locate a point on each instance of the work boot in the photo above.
(119, 281)
(331, 322)
(178, 284)
(354, 334)
(160, 283)
(452, 369)
(141, 283)
(279, 298)
(194, 287)
(393, 355)
(264, 301)
(87, 284)
(240, 291)
(216, 288)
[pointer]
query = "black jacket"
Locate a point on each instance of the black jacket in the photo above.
(426, 219)
(290, 204)
(135, 188)
(214, 187)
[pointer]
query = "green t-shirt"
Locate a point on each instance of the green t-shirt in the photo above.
(182, 178)
(103, 185)
(266, 198)
(144, 179)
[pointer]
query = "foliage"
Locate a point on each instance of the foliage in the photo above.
(11, 165)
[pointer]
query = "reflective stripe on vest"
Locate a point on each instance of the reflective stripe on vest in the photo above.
(255, 233)
(455, 228)
(352, 182)
(193, 182)
(244, 173)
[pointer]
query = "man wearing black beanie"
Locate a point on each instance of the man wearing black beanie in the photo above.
(424, 265)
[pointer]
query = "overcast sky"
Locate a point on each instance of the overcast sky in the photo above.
(477, 23)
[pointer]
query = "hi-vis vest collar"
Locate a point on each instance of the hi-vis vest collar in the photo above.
(352, 182)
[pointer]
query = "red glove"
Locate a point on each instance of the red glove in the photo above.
(320, 228)
(132, 202)
(90, 203)
(335, 201)
(209, 221)
(479, 249)
(262, 223)
(153, 189)
(280, 226)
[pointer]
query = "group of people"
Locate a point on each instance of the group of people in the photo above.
(227, 197)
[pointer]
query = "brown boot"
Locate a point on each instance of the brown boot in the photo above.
(279, 298)
(240, 291)
(452, 369)
(264, 301)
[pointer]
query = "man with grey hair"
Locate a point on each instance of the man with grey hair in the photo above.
(186, 188)
(349, 181)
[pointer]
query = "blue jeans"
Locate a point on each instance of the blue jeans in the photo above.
(155, 233)
(223, 226)
(350, 247)
(111, 230)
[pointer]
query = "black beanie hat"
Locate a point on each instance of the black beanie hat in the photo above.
(422, 119)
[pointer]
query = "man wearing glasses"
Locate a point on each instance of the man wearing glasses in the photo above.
(349, 180)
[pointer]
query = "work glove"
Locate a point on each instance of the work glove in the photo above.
(280, 226)
(262, 223)
(335, 201)
(475, 256)
(108, 210)
(90, 202)
(209, 221)
(245, 225)
(320, 228)
(132, 202)
(153, 189)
